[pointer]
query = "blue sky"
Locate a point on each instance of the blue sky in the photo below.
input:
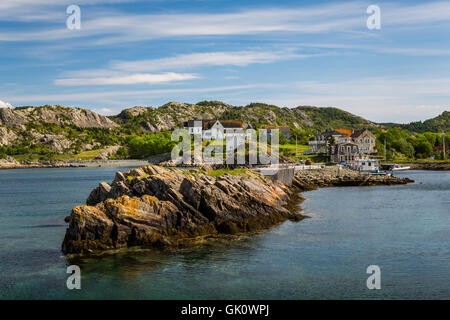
(288, 53)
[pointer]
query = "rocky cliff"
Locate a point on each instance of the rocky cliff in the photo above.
(55, 128)
(156, 206)
(83, 118)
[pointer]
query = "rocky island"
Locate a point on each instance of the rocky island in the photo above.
(155, 206)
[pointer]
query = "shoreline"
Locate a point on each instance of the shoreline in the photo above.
(160, 207)
(439, 166)
(334, 177)
(74, 164)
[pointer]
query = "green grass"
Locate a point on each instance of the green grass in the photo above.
(85, 155)
(300, 147)
(233, 172)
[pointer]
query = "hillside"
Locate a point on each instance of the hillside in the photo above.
(50, 129)
(437, 124)
(169, 116)
(255, 115)
(335, 118)
(44, 132)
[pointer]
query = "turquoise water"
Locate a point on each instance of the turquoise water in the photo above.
(403, 229)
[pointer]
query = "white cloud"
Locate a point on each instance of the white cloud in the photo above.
(236, 58)
(188, 61)
(126, 94)
(44, 10)
(116, 27)
(4, 104)
(126, 79)
(124, 27)
(105, 111)
(121, 72)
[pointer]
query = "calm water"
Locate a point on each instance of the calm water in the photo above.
(403, 229)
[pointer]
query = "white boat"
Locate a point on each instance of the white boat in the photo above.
(397, 167)
(394, 167)
(365, 165)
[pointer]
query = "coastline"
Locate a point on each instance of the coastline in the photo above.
(438, 166)
(73, 164)
(161, 207)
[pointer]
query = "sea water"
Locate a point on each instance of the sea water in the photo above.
(404, 229)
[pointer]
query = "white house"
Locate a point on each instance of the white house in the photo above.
(218, 130)
(215, 129)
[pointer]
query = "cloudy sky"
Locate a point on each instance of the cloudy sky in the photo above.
(288, 53)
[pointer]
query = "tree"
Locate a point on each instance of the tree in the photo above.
(423, 148)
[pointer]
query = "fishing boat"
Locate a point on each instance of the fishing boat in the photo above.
(365, 164)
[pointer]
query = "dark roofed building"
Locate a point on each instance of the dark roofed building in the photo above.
(283, 129)
(344, 152)
(365, 140)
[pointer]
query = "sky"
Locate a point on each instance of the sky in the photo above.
(288, 53)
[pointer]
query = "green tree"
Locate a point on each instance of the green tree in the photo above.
(423, 148)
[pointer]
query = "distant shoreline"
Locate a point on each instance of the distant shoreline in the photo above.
(74, 164)
(437, 166)
(5, 164)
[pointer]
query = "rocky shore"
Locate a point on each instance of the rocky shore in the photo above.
(437, 166)
(156, 206)
(341, 177)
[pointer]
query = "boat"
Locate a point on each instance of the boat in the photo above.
(366, 164)
(394, 167)
(398, 167)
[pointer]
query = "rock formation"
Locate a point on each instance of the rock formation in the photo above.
(157, 206)
(83, 118)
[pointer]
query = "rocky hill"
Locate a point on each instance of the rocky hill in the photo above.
(169, 116)
(59, 115)
(255, 115)
(56, 128)
(50, 130)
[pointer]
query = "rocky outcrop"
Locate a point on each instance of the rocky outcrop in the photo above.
(55, 142)
(60, 115)
(7, 136)
(52, 128)
(157, 206)
(106, 153)
(341, 177)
